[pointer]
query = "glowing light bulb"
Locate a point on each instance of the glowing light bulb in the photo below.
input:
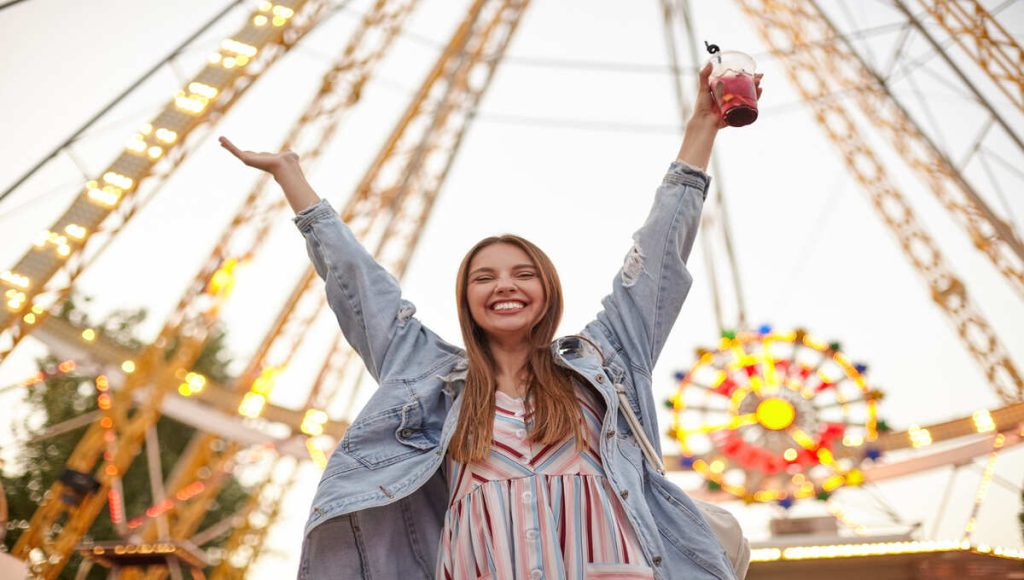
(166, 135)
(252, 405)
(15, 279)
(983, 422)
(919, 437)
(76, 231)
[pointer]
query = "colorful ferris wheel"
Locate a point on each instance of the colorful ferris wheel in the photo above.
(775, 416)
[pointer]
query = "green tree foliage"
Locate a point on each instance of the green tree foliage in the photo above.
(62, 397)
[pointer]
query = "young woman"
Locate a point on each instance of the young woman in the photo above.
(520, 456)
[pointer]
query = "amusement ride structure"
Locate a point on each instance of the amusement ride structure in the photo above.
(766, 416)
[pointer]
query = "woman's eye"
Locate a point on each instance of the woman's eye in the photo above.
(483, 279)
(527, 275)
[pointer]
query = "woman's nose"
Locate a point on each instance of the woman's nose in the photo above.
(505, 284)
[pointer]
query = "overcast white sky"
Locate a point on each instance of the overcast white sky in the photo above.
(567, 156)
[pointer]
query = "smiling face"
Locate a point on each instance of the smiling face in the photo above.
(504, 292)
(508, 294)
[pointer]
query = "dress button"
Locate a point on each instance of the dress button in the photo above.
(656, 560)
(405, 433)
(536, 574)
(527, 496)
(610, 434)
(532, 535)
(521, 433)
(600, 378)
(624, 493)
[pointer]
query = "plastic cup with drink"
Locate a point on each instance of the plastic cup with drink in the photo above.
(732, 86)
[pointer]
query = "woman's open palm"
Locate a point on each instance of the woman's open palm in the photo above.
(269, 162)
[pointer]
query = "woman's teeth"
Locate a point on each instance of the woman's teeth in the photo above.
(509, 306)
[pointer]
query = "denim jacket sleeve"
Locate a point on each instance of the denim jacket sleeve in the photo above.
(366, 298)
(649, 290)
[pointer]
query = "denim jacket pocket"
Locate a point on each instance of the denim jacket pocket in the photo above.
(628, 445)
(388, 437)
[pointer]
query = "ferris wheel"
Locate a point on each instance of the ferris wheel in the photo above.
(772, 416)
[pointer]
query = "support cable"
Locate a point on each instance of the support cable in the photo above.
(983, 485)
(11, 3)
(949, 187)
(998, 479)
(985, 41)
(741, 307)
(708, 220)
(798, 20)
(885, 506)
(156, 479)
(627, 67)
(723, 208)
(945, 500)
(978, 95)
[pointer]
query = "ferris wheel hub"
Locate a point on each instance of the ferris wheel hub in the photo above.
(775, 413)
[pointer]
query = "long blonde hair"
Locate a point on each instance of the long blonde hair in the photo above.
(556, 412)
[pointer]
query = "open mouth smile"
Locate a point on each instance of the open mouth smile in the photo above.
(508, 306)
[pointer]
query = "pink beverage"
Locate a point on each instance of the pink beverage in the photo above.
(736, 98)
(732, 85)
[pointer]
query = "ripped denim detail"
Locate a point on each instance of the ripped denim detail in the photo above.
(633, 267)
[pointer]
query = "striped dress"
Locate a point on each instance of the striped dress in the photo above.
(530, 511)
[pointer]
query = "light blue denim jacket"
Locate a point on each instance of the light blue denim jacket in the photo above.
(380, 504)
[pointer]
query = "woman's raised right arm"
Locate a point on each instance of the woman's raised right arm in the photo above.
(365, 298)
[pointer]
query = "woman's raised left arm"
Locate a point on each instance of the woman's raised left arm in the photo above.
(649, 290)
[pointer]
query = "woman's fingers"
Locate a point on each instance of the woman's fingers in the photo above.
(227, 144)
(247, 157)
(705, 74)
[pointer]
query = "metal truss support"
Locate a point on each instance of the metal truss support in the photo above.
(784, 23)
(42, 278)
(981, 36)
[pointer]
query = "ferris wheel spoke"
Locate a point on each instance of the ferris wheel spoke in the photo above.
(844, 421)
(847, 385)
(709, 389)
(753, 481)
(823, 454)
(813, 371)
(733, 424)
(833, 404)
(761, 439)
(770, 373)
(745, 379)
(704, 409)
(802, 439)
